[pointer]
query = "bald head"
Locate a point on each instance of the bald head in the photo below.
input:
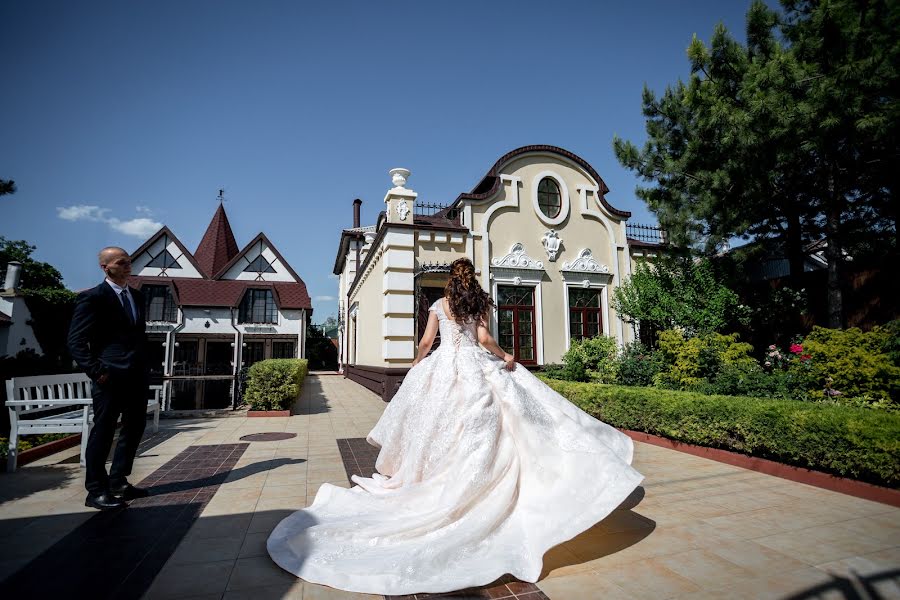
(116, 263)
(110, 253)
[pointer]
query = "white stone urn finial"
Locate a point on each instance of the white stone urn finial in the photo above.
(399, 176)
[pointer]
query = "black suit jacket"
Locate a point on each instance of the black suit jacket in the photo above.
(102, 338)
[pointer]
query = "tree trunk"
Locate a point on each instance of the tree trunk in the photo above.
(833, 253)
(794, 246)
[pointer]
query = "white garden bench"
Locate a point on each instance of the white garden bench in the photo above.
(29, 400)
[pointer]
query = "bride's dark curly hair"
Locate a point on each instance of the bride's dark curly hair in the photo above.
(463, 292)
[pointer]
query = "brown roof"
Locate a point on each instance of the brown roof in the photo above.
(5, 319)
(218, 246)
(207, 292)
(645, 244)
(490, 183)
(438, 222)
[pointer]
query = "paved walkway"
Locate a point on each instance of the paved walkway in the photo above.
(696, 529)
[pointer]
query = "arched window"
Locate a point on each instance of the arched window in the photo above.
(549, 198)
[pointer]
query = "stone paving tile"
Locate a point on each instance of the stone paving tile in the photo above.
(128, 547)
(696, 529)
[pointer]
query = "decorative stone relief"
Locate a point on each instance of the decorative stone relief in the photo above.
(585, 263)
(551, 242)
(403, 210)
(517, 259)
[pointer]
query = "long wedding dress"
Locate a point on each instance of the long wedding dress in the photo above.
(481, 471)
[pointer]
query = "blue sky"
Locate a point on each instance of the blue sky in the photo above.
(116, 117)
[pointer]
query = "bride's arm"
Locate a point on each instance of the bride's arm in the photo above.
(427, 338)
(487, 340)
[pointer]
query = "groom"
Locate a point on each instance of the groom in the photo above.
(108, 342)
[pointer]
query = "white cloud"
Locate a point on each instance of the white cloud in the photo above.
(81, 212)
(141, 227)
(144, 210)
(324, 298)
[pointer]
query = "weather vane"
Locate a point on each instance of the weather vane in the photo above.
(221, 195)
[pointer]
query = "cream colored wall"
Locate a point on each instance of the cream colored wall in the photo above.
(369, 295)
(430, 251)
(508, 225)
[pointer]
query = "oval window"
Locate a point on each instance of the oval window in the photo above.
(549, 199)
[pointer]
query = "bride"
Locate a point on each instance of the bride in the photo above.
(482, 468)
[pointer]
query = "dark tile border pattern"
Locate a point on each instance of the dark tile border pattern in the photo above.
(118, 554)
(359, 457)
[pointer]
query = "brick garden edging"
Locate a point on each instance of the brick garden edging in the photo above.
(818, 479)
(268, 413)
(39, 452)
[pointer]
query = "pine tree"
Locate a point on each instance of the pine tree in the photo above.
(791, 136)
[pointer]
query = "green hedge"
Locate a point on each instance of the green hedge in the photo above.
(844, 440)
(274, 384)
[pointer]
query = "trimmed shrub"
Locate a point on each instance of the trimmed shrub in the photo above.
(845, 364)
(843, 440)
(689, 362)
(598, 357)
(274, 384)
(637, 365)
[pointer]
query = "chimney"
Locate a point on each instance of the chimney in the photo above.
(13, 274)
(356, 204)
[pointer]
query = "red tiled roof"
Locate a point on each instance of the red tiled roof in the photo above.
(206, 292)
(218, 246)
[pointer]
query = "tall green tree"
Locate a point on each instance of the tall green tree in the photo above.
(791, 136)
(49, 302)
(679, 292)
(36, 275)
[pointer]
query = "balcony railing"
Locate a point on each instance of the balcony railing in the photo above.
(429, 209)
(651, 234)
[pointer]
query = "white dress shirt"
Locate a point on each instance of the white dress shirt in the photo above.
(118, 290)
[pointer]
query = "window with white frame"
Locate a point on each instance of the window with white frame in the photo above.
(585, 313)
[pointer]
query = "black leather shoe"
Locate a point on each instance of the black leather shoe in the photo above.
(104, 501)
(128, 492)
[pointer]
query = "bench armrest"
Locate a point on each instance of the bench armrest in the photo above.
(61, 402)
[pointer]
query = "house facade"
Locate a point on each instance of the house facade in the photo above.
(217, 311)
(16, 332)
(545, 242)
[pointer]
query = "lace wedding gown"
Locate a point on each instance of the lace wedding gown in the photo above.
(481, 471)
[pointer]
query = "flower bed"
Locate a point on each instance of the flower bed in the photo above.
(843, 440)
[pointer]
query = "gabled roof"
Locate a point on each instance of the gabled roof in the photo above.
(260, 237)
(227, 293)
(354, 233)
(490, 183)
(218, 247)
(167, 232)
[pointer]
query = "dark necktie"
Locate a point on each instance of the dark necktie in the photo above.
(126, 304)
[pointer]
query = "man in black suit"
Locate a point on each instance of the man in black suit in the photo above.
(107, 340)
